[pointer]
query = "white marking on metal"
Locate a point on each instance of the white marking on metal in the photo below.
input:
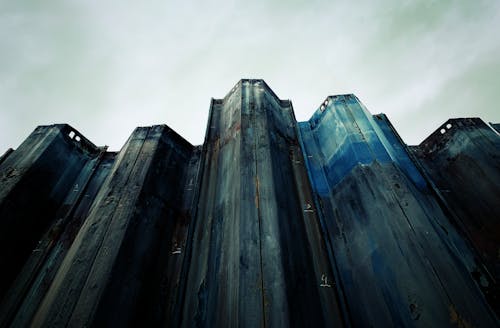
(324, 281)
(308, 208)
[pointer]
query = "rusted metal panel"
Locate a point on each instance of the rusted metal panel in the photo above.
(400, 261)
(116, 247)
(37, 274)
(462, 158)
(271, 222)
(35, 179)
(253, 262)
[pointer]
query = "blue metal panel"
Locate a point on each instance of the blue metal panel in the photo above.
(397, 150)
(383, 224)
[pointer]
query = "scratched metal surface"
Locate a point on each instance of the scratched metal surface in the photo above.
(462, 158)
(271, 222)
(400, 262)
(35, 181)
(252, 261)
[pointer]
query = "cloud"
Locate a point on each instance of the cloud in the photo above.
(108, 66)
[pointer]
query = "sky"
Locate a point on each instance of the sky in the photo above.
(106, 67)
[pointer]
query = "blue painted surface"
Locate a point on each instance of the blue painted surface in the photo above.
(398, 152)
(399, 260)
(349, 135)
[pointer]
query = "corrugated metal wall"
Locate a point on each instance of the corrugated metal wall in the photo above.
(271, 222)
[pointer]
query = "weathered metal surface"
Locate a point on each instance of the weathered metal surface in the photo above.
(34, 280)
(121, 240)
(5, 155)
(462, 159)
(400, 261)
(35, 179)
(496, 127)
(252, 260)
(330, 222)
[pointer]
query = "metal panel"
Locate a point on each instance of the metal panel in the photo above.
(271, 222)
(400, 261)
(462, 158)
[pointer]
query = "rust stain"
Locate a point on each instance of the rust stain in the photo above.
(457, 320)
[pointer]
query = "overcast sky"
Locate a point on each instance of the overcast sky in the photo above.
(106, 67)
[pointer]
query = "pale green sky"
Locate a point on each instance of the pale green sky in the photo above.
(106, 67)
